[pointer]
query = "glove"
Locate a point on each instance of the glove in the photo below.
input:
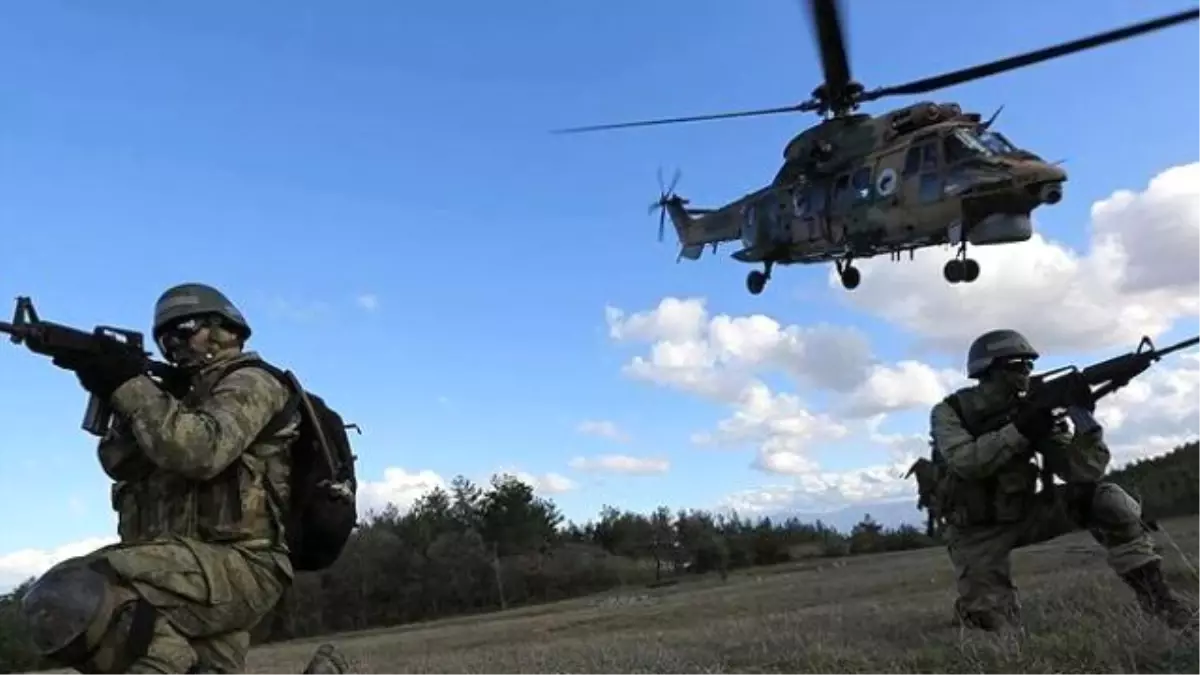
(1034, 422)
(105, 369)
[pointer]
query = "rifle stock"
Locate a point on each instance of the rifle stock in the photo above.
(71, 344)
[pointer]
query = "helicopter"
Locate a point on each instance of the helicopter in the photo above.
(857, 185)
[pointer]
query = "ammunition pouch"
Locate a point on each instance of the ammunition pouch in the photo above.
(1015, 492)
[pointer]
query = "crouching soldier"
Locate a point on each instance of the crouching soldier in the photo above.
(985, 437)
(200, 472)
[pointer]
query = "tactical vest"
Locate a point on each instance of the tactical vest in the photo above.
(240, 504)
(1003, 497)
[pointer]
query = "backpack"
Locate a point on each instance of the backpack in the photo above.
(323, 509)
(935, 482)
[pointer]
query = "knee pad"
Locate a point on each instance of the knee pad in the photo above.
(64, 605)
(77, 614)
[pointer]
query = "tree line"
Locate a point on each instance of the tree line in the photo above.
(470, 549)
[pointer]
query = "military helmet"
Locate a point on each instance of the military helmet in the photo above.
(189, 300)
(997, 344)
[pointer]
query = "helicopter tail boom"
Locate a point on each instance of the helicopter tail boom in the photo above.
(697, 228)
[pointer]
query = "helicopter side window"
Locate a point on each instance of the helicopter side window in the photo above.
(862, 183)
(840, 188)
(800, 203)
(816, 200)
(912, 160)
(930, 189)
(929, 157)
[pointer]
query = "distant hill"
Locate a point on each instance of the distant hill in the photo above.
(891, 514)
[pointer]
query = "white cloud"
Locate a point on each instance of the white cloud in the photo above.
(403, 488)
(548, 483)
(718, 356)
(1140, 275)
(722, 357)
(814, 491)
(908, 384)
(621, 464)
(779, 424)
(603, 429)
(399, 487)
(367, 301)
(20, 565)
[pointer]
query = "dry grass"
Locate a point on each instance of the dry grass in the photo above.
(886, 613)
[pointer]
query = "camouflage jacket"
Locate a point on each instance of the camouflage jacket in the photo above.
(195, 467)
(991, 466)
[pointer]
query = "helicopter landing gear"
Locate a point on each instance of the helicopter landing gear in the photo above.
(756, 281)
(848, 273)
(961, 269)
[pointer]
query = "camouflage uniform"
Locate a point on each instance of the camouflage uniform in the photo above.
(198, 489)
(990, 501)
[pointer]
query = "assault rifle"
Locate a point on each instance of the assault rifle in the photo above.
(1071, 390)
(56, 340)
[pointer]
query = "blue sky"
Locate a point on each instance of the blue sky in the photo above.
(302, 157)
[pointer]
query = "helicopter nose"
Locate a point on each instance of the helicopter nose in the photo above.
(1045, 183)
(1050, 193)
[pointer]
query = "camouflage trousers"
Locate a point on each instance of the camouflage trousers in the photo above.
(170, 606)
(980, 554)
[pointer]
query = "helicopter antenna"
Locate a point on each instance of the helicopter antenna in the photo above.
(840, 94)
(991, 120)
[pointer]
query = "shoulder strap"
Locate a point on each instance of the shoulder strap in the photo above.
(298, 401)
(955, 404)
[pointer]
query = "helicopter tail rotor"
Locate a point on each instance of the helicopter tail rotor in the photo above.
(666, 195)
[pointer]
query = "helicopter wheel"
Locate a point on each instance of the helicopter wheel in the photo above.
(850, 277)
(755, 282)
(964, 270)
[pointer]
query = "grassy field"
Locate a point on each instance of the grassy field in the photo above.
(884, 613)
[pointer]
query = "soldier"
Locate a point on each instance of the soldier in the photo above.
(987, 436)
(200, 484)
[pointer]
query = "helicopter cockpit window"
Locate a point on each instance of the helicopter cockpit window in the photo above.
(862, 183)
(955, 150)
(996, 142)
(961, 144)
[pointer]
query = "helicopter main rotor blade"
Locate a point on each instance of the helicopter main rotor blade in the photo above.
(802, 107)
(831, 43)
(1029, 58)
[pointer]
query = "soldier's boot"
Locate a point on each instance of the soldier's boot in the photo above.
(988, 620)
(1156, 597)
(327, 659)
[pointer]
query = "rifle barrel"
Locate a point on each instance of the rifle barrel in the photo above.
(1184, 344)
